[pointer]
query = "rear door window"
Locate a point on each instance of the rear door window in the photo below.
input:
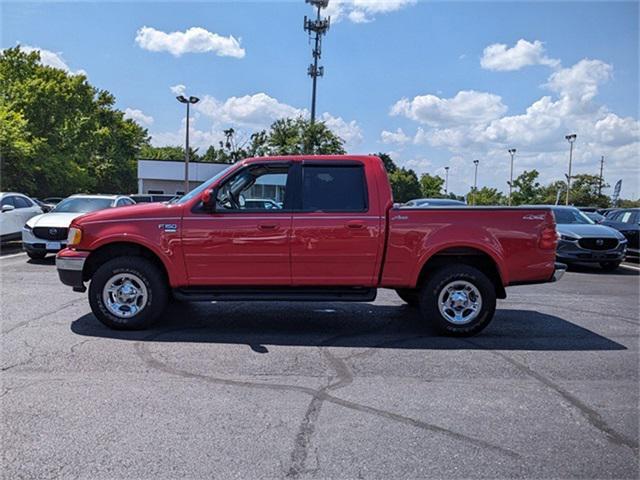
(333, 188)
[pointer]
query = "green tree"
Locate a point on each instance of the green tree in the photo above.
(295, 136)
(389, 164)
(584, 191)
(486, 196)
(550, 193)
(625, 203)
(431, 185)
(60, 134)
(526, 189)
(405, 185)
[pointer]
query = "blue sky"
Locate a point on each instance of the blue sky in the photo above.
(434, 83)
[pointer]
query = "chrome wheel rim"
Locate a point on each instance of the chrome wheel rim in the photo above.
(125, 295)
(460, 302)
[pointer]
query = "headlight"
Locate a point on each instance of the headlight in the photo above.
(27, 227)
(568, 238)
(74, 236)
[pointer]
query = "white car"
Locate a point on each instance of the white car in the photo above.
(47, 233)
(16, 210)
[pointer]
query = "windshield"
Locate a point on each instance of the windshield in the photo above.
(82, 205)
(571, 216)
(198, 190)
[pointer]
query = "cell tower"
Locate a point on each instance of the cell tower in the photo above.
(316, 28)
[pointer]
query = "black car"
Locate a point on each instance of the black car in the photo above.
(627, 222)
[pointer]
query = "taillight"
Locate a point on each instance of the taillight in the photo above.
(548, 238)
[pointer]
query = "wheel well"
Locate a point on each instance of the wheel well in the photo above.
(119, 249)
(467, 256)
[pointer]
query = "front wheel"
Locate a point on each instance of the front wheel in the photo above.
(609, 266)
(128, 293)
(458, 300)
(36, 255)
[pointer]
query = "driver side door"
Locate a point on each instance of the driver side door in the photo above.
(242, 243)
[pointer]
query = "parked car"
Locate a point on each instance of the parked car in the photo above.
(47, 233)
(582, 240)
(433, 202)
(46, 207)
(338, 238)
(150, 198)
(627, 222)
(53, 200)
(595, 217)
(16, 210)
(262, 204)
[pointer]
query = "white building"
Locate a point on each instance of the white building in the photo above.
(167, 177)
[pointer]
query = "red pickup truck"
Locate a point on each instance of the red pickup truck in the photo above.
(325, 230)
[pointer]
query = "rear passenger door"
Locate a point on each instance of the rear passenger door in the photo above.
(335, 231)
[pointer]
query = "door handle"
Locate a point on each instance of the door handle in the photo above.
(267, 226)
(355, 224)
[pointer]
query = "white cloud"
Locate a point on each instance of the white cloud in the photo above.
(363, 11)
(468, 106)
(178, 89)
(538, 133)
(524, 53)
(52, 59)
(193, 40)
(350, 132)
(397, 137)
(138, 116)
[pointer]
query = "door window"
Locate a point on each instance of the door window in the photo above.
(333, 188)
(626, 217)
(261, 188)
(8, 201)
(21, 202)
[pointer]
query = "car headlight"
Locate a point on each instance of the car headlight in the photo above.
(74, 236)
(27, 227)
(568, 238)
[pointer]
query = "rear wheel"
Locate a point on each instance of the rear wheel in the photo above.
(128, 293)
(409, 296)
(609, 266)
(458, 300)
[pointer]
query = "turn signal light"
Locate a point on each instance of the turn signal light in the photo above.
(74, 236)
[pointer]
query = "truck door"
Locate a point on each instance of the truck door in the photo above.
(336, 232)
(245, 241)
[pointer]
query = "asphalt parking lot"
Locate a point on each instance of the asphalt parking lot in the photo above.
(549, 390)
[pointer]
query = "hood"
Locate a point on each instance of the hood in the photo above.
(580, 231)
(52, 219)
(138, 211)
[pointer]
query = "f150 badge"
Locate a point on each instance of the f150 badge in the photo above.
(533, 217)
(168, 227)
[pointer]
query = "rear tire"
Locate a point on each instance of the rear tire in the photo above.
(36, 255)
(409, 296)
(609, 266)
(458, 300)
(128, 293)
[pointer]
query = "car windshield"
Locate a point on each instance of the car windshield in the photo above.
(82, 205)
(198, 190)
(571, 216)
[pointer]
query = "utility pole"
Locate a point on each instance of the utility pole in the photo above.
(317, 28)
(446, 180)
(188, 102)
(601, 169)
(475, 181)
(571, 139)
(512, 152)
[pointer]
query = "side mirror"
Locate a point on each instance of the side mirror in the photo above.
(208, 198)
(7, 208)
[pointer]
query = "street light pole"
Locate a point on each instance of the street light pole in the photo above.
(188, 102)
(446, 180)
(475, 181)
(571, 139)
(512, 152)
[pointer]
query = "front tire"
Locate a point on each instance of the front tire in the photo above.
(609, 266)
(36, 255)
(458, 300)
(128, 293)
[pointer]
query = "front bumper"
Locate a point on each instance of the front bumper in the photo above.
(70, 266)
(569, 252)
(33, 244)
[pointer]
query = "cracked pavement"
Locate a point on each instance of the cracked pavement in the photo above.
(311, 390)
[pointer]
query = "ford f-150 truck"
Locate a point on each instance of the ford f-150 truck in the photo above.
(331, 233)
